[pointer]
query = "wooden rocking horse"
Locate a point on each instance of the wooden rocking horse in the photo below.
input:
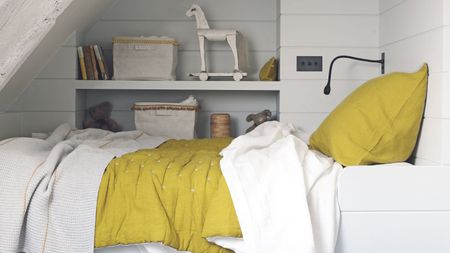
(205, 33)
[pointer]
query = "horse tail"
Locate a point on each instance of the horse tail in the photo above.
(242, 47)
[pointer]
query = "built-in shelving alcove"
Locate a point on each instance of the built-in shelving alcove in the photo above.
(236, 98)
(167, 18)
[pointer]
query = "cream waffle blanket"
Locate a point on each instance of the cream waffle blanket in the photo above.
(48, 188)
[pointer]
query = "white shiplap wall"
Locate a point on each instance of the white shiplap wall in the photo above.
(413, 32)
(43, 106)
(409, 31)
(256, 19)
(10, 124)
(324, 28)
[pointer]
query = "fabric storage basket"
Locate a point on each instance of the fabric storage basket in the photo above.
(144, 58)
(173, 120)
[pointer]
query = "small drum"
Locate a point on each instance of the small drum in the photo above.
(220, 125)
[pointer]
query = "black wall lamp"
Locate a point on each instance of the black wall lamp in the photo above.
(327, 88)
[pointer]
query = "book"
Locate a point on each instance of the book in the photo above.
(88, 63)
(94, 62)
(82, 63)
(107, 73)
(101, 62)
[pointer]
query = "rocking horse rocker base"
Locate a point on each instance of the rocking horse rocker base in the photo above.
(204, 76)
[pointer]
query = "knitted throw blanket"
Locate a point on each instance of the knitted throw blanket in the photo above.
(48, 188)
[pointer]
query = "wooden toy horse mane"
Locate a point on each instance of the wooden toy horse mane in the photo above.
(204, 32)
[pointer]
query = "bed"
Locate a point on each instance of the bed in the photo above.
(57, 196)
(377, 214)
(271, 188)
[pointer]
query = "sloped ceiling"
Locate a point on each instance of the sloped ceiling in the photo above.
(30, 33)
(24, 23)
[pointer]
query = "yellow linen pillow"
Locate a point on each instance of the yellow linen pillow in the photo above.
(377, 123)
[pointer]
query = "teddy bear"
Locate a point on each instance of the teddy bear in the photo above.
(99, 117)
(258, 119)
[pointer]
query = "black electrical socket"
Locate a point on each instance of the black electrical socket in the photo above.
(309, 63)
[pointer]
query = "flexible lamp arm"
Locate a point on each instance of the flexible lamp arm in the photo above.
(327, 88)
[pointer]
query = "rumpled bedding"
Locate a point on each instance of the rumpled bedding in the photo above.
(174, 194)
(48, 188)
(284, 194)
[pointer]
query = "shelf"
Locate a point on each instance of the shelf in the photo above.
(173, 85)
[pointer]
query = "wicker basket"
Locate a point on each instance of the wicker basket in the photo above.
(144, 58)
(220, 125)
(173, 120)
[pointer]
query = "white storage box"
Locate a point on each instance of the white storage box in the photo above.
(144, 58)
(173, 120)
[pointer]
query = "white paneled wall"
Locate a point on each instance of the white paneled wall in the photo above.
(10, 125)
(413, 32)
(332, 7)
(326, 28)
(388, 4)
(256, 19)
(409, 31)
(42, 107)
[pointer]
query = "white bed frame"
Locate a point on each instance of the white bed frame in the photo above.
(387, 209)
(394, 209)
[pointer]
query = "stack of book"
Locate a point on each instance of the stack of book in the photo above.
(92, 63)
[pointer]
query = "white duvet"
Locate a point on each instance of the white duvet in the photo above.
(284, 194)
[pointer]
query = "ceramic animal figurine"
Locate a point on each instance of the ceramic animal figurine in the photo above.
(204, 32)
(258, 119)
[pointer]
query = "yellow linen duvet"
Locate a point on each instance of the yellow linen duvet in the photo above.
(174, 194)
